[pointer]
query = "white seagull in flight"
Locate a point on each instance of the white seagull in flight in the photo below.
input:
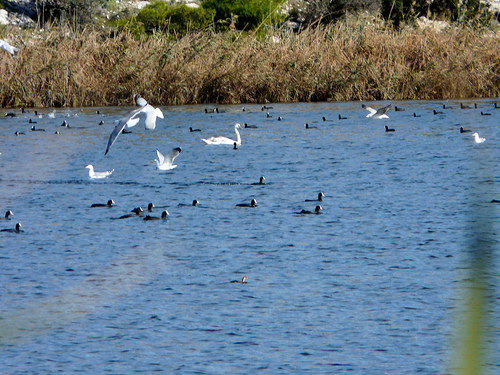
(8, 48)
(376, 113)
(146, 111)
(164, 162)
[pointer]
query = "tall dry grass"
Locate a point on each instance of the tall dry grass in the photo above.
(353, 60)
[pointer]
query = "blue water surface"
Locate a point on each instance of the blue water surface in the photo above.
(376, 284)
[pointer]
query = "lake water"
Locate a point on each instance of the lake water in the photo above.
(376, 284)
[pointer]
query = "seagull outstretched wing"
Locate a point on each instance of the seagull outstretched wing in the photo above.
(165, 162)
(130, 120)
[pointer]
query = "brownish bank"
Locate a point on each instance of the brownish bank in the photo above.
(352, 60)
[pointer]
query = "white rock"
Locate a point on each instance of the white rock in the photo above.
(4, 17)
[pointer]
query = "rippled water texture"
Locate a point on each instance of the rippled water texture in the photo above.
(371, 286)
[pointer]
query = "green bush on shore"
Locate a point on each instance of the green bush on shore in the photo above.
(174, 20)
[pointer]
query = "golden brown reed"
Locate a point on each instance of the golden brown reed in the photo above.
(352, 60)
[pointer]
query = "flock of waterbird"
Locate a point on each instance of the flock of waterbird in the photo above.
(165, 162)
(149, 114)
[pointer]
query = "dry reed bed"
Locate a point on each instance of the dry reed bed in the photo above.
(347, 61)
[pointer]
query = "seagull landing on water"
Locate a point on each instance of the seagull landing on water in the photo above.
(477, 138)
(146, 111)
(376, 113)
(164, 162)
(93, 174)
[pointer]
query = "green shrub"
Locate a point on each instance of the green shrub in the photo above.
(243, 14)
(175, 19)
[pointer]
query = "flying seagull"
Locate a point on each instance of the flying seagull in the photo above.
(146, 111)
(8, 48)
(376, 113)
(164, 162)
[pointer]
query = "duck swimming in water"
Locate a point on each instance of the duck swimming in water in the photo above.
(253, 203)
(7, 215)
(316, 211)
(261, 181)
(320, 198)
(136, 212)
(16, 229)
(242, 281)
(164, 215)
(109, 203)
(194, 203)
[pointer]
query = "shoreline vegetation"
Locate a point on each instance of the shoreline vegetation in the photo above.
(356, 59)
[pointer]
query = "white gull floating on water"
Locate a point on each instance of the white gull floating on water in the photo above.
(220, 140)
(93, 174)
(477, 138)
(164, 162)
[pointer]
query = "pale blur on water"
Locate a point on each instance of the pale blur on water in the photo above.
(372, 285)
